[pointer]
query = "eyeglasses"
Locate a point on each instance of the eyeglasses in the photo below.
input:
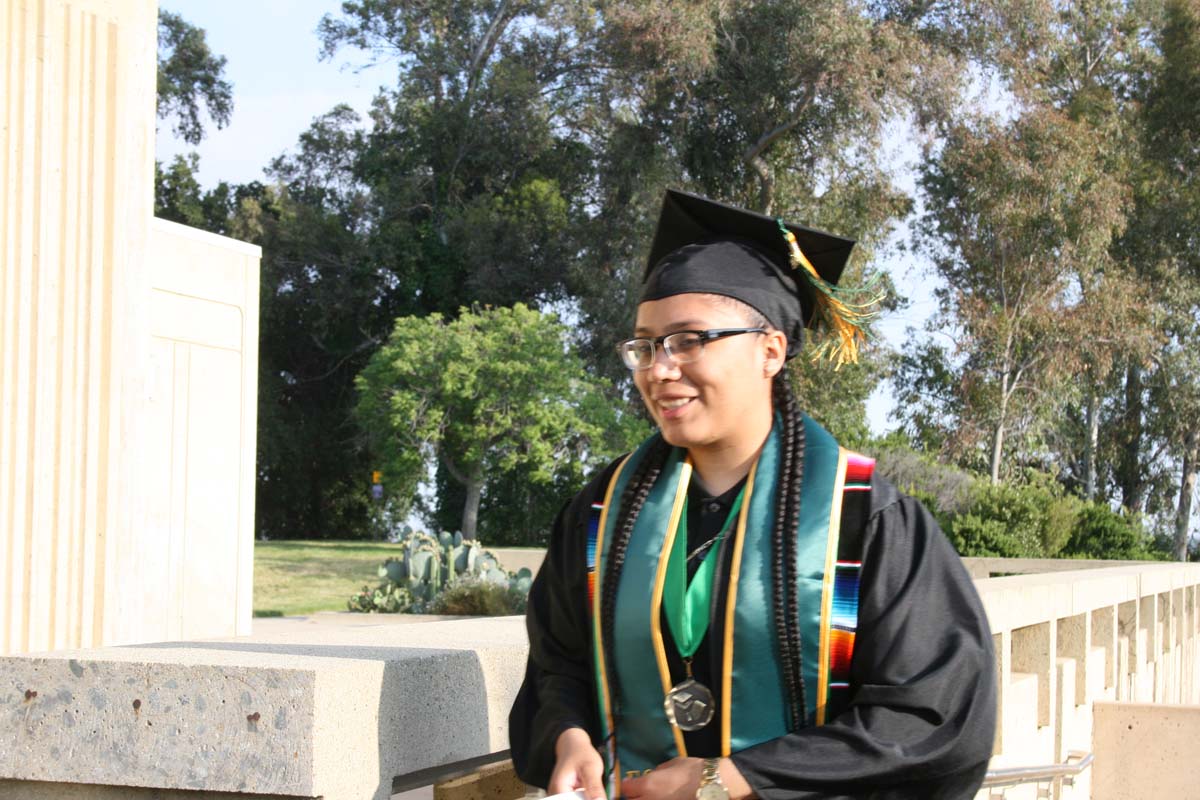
(682, 347)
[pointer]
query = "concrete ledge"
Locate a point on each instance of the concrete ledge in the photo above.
(1145, 751)
(334, 707)
(32, 790)
(1021, 600)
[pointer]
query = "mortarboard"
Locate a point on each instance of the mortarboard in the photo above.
(788, 273)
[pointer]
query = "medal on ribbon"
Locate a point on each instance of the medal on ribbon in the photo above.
(690, 705)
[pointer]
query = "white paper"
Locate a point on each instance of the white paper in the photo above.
(578, 794)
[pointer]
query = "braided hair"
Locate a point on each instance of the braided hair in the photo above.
(786, 612)
(783, 549)
(632, 500)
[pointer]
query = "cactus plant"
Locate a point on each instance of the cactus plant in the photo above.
(427, 565)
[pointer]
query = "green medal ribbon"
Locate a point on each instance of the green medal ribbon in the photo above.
(687, 608)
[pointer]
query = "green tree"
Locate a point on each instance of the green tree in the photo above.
(783, 107)
(489, 393)
(190, 75)
(519, 158)
(1019, 221)
(325, 308)
(1169, 219)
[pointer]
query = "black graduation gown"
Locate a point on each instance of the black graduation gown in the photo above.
(922, 717)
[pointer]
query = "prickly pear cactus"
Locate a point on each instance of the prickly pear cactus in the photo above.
(427, 565)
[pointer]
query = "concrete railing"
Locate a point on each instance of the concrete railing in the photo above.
(1065, 640)
(346, 707)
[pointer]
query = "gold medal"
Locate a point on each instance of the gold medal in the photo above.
(689, 705)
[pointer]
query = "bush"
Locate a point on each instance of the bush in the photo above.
(1100, 532)
(387, 598)
(471, 596)
(1033, 520)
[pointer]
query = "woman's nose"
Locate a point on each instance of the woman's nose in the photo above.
(663, 366)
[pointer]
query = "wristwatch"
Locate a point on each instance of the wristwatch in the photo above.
(711, 787)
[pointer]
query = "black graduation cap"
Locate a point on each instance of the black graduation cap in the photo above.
(705, 246)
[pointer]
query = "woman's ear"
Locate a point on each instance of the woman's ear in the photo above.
(775, 351)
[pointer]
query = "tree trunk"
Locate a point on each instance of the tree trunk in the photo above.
(1133, 487)
(1187, 490)
(766, 185)
(998, 433)
(997, 450)
(470, 516)
(1093, 439)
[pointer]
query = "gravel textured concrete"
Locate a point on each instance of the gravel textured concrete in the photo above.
(333, 705)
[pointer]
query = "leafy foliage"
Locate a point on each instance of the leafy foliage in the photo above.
(483, 395)
(519, 158)
(189, 75)
(1100, 532)
(1012, 521)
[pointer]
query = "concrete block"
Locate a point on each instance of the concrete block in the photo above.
(1144, 751)
(1019, 718)
(1033, 649)
(1073, 640)
(320, 710)
(32, 790)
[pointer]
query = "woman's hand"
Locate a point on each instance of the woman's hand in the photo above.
(676, 779)
(577, 765)
(679, 778)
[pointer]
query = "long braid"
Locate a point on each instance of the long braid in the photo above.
(787, 515)
(632, 500)
(779, 550)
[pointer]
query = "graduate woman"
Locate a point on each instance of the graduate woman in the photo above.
(740, 607)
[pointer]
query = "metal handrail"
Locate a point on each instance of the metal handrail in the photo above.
(1014, 776)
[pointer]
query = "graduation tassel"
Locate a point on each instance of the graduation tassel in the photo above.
(843, 312)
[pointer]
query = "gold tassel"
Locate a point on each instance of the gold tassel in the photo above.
(843, 317)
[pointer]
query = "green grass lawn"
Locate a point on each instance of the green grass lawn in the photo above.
(298, 577)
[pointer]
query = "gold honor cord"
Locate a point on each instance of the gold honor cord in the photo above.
(735, 574)
(842, 311)
(598, 640)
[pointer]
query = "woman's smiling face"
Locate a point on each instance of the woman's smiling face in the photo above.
(712, 401)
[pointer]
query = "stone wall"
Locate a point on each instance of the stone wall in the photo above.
(95, 300)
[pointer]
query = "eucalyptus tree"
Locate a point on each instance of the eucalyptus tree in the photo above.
(1169, 223)
(1016, 213)
(784, 107)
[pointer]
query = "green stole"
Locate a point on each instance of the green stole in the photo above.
(752, 697)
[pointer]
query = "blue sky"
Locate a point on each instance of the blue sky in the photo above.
(280, 85)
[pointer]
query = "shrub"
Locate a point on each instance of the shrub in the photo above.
(470, 596)
(387, 598)
(1015, 521)
(1100, 532)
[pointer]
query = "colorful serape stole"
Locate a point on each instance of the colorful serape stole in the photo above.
(844, 618)
(593, 532)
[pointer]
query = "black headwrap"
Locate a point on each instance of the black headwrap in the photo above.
(712, 248)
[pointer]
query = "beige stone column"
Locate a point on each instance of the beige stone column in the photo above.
(77, 92)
